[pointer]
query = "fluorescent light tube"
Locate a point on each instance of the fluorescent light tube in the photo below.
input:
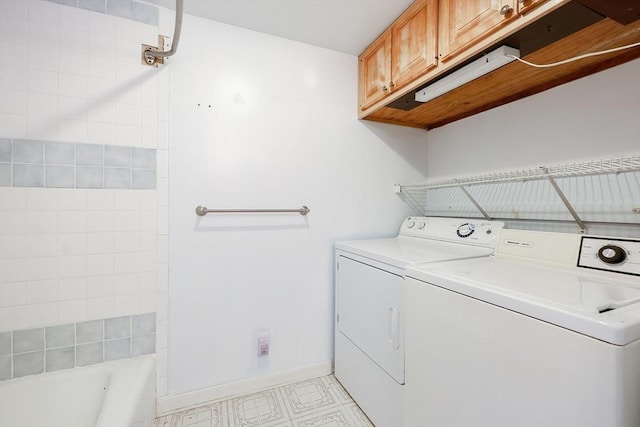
(491, 61)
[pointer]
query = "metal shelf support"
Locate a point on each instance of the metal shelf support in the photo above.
(567, 204)
(475, 203)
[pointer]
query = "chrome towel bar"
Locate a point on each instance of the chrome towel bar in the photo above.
(202, 210)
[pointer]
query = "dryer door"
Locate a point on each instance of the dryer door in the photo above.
(370, 313)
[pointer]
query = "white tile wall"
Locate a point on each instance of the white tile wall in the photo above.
(56, 256)
(71, 255)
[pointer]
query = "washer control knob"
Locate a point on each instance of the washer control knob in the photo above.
(410, 224)
(612, 254)
(466, 229)
(421, 225)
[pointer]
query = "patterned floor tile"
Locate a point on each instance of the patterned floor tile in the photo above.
(336, 389)
(306, 396)
(310, 403)
(334, 417)
(164, 421)
(359, 417)
(264, 409)
(210, 415)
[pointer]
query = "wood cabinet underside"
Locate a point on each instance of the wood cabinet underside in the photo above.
(516, 80)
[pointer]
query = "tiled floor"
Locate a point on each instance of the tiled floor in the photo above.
(311, 403)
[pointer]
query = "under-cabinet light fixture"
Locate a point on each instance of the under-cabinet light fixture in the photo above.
(491, 61)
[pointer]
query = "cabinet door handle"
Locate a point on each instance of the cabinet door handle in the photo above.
(505, 9)
(391, 85)
(384, 88)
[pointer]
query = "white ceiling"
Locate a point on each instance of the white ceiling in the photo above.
(347, 26)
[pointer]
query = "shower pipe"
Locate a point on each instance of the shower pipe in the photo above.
(150, 55)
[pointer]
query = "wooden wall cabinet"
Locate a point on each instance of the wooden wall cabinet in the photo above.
(464, 23)
(374, 71)
(403, 59)
(406, 51)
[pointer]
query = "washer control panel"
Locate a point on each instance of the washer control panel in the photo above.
(466, 229)
(471, 231)
(610, 254)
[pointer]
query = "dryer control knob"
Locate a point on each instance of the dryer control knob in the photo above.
(421, 225)
(466, 229)
(410, 224)
(612, 254)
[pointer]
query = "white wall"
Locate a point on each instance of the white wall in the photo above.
(591, 118)
(596, 117)
(281, 132)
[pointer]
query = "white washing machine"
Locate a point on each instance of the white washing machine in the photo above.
(546, 333)
(369, 328)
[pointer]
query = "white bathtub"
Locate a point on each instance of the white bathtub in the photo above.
(113, 394)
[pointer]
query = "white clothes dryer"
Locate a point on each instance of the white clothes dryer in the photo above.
(370, 319)
(544, 333)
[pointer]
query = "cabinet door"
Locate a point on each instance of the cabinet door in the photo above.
(466, 22)
(374, 71)
(414, 42)
(525, 6)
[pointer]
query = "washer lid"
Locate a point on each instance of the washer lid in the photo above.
(402, 250)
(604, 306)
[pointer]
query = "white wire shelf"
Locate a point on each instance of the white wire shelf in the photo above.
(593, 167)
(564, 192)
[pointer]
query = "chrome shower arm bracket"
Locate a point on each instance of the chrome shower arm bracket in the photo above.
(148, 51)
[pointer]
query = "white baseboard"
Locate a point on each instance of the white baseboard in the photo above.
(169, 404)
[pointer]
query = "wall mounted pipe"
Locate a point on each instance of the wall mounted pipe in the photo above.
(151, 56)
